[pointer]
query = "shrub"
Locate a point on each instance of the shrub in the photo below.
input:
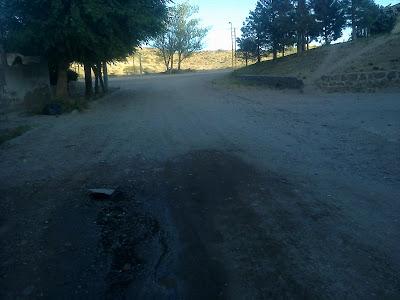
(40, 102)
(36, 100)
(58, 107)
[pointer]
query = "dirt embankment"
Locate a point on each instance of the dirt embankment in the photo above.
(373, 63)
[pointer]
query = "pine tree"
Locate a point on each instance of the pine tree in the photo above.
(248, 49)
(330, 16)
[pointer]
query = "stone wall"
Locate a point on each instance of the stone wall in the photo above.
(360, 82)
(272, 81)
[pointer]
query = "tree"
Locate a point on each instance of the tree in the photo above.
(248, 49)
(305, 25)
(166, 45)
(189, 33)
(330, 16)
(284, 31)
(384, 21)
(89, 32)
(252, 30)
(272, 24)
(183, 35)
(361, 15)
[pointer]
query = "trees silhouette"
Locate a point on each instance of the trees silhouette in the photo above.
(275, 25)
(90, 32)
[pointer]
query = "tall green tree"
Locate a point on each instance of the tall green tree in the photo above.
(248, 49)
(361, 15)
(384, 21)
(305, 24)
(252, 30)
(273, 22)
(330, 16)
(86, 31)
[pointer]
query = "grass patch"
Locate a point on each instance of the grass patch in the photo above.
(11, 133)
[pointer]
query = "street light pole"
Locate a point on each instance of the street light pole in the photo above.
(232, 44)
(234, 40)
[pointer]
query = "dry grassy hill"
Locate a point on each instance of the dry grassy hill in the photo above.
(153, 63)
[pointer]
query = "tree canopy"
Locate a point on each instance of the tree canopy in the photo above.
(84, 31)
(275, 25)
(183, 35)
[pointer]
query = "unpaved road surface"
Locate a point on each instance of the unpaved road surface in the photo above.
(224, 192)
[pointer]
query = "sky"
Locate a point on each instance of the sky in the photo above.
(217, 14)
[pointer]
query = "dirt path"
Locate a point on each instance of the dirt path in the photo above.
(224, 193)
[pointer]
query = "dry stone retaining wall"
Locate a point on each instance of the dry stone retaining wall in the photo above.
(360, 82)
(278, 82)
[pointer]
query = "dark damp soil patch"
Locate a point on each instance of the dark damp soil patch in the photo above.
(123, 230)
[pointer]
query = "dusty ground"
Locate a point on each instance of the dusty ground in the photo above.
(224, 193)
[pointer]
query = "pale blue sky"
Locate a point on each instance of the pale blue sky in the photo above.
(218, 13)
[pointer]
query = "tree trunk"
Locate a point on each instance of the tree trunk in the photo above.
(88, 80)
(179, 61)
(99, 70)
(301, 14)
(62, 80)
(298, 43)
(274, 54)
(353, 21)
(301, 42)
(3, 67)
(96, 80)
(172, 64)
(105, 76)
(167, 60)
(140, 64)
(326, 38)
(283, 52)
(247, 61)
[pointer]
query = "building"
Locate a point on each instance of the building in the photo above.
(22, 76)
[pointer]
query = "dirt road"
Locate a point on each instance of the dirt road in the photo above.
(232, 193)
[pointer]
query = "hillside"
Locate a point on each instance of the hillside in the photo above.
(378, 54)
(153, 63)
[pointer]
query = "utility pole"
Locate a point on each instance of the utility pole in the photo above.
(234, 39)
(233, 56)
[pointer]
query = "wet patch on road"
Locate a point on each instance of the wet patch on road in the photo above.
(217, 201)
(122, 231)
(265, 235)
